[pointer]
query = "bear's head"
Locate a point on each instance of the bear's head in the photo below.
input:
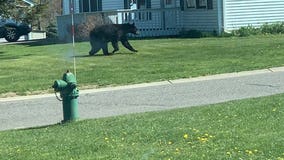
(131, 28)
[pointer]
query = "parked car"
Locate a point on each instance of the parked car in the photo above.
(13, 31)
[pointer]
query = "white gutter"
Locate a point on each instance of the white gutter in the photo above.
(224, 16)
(219, 16)
(29, 2)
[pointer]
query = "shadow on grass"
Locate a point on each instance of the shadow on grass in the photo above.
(12, 57)
(102, 55)
(41, 42)
(40, 127)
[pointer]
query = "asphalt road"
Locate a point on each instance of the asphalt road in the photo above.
(32, 111)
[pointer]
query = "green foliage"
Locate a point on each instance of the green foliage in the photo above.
(276, 28)
(191, 34)
(247, 129)
(6, 8)
(51, 31)
(246, 31)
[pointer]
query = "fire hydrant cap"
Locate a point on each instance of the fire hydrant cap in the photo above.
(69, 78)
(59, 85)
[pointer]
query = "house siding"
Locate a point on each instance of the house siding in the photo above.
(255, 13)
(201, 19)
(112, 5)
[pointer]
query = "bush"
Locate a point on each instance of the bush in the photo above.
(277, 28)
(51, 31)
(190, 34)
(246, 31)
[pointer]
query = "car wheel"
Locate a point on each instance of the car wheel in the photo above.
(11, 35)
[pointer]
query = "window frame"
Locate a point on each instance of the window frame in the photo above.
(191, 5)
(86, 6)
(196, 4)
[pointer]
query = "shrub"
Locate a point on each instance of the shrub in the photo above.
(190, 33)
(51, 31)
(277, 28)
(246, 31)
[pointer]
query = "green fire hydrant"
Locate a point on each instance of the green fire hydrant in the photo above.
(69, 93)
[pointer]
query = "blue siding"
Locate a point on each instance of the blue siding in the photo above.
(240, 13)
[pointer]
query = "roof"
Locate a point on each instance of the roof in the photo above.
(30, 2)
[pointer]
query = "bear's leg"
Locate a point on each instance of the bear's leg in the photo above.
(115, 46)
(126, 44)
(96, 46)
(105, 49)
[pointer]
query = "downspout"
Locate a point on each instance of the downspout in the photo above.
(220, 13)
(224, 16)
(163, 14)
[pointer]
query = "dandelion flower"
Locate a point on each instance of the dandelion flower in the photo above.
(185, 136)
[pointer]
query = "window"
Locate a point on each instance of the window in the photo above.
(143, 4)
(190, 3)
(130, 4)
(169, 2)
(90, 5)
(199, 4)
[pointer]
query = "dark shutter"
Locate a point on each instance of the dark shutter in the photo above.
(182, 5)
(148, 3)
(94, 6)
(126, 4)
(80, 6)
(85, 6)
(138, 4)
(100, 5)
(209, 4)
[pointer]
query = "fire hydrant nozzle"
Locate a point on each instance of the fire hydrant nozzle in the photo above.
(69, 93)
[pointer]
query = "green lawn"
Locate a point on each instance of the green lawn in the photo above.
(32, 68)
(247, 129)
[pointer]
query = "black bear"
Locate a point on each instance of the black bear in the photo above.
(101, 35)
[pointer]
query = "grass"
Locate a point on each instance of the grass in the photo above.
(245, 129)
(32, 68)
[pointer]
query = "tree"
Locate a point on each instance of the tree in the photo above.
(6, 7)
(23, 12)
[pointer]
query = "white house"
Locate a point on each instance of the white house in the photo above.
(168, 17)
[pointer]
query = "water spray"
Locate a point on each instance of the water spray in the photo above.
(73, 36)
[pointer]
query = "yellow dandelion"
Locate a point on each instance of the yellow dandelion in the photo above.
(249, 152)
(206, 134)
(170, 142)
(274, 109)
(185, 136)
(228, 153)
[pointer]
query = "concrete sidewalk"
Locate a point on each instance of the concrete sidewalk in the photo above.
(32, 111)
